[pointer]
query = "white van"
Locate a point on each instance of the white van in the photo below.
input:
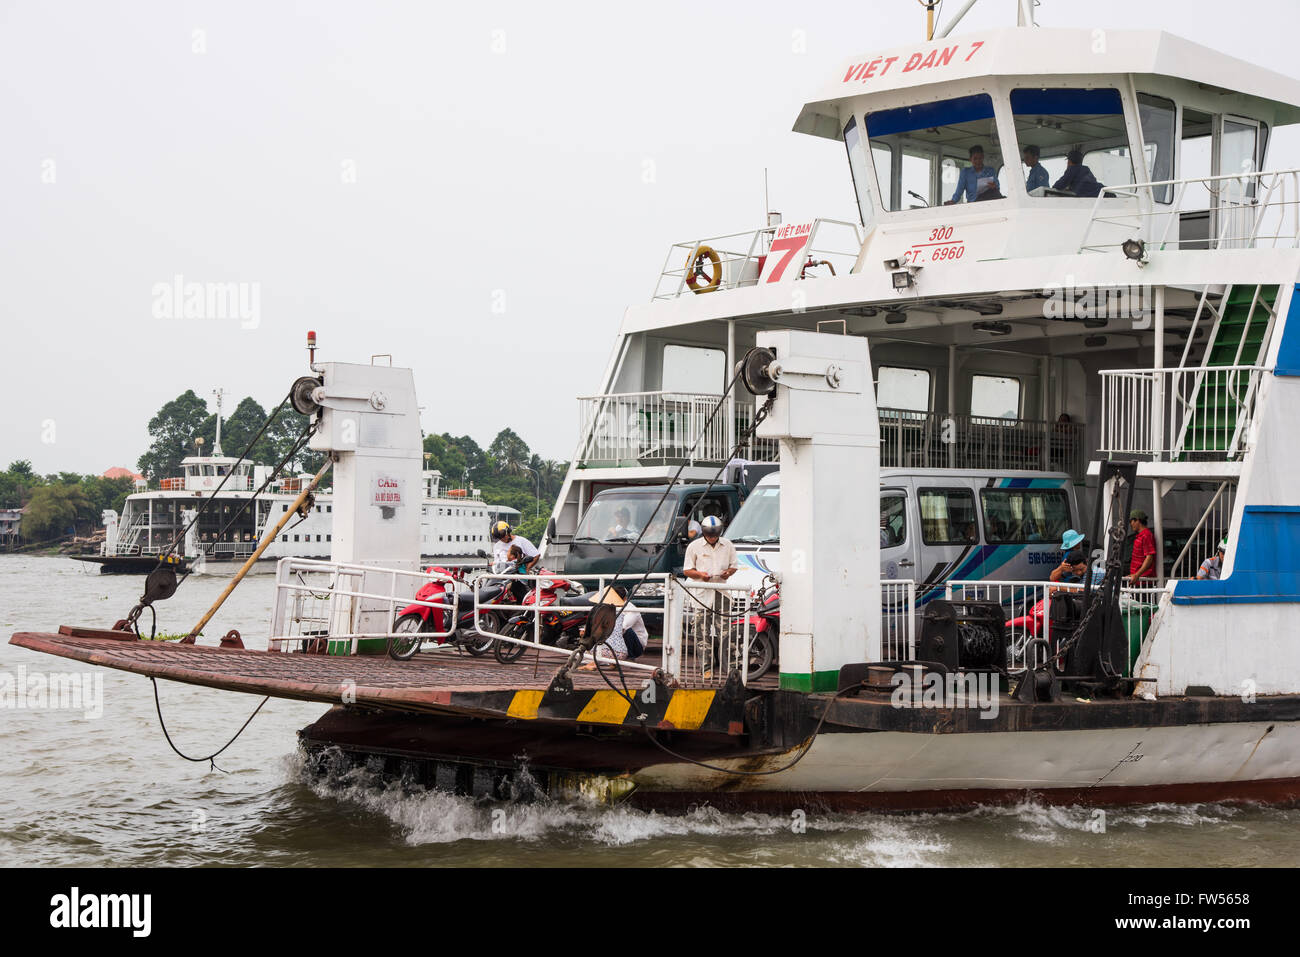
(935, 525)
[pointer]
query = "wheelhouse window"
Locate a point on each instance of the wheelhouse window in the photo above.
(947, 516)
(1073, 142)
(995, 397)
(924, 154)
(1023, 515)
(1156, 115)
(858, 169)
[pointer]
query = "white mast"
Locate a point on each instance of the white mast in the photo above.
(216, 444)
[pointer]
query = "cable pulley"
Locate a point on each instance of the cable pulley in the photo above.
(754, 371)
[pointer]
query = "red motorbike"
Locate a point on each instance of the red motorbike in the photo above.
(417, 620)
(564, 616)
(764, 628)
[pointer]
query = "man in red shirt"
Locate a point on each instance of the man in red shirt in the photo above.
(1143, 563)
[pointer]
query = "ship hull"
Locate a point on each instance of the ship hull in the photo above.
(1251, 761)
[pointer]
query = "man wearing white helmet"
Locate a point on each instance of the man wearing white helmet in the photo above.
(709, 558)
(503, 535)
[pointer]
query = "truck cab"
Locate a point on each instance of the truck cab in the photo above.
(618, 517)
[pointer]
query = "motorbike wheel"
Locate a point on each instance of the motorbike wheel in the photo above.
(477, 645)
(508, 651)
(760, 655)
(403, 645)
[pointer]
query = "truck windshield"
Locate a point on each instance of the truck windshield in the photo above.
(759, 521)
(621, 517)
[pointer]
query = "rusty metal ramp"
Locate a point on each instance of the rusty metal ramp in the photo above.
(437, 683)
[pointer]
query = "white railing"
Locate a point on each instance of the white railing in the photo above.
(742, 255)
(706, 632)
(646, 427)
(640, 427)
(322, 605)
(1199, 413)
(897, 620)
(227, 551)
(939, 440)
(1027, 619)
(1245, 210)
(1210, 529)
(535, 625)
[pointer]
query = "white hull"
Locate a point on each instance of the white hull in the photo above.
(894, 765)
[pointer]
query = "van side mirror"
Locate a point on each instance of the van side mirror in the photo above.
(679, 528)
(550, 529)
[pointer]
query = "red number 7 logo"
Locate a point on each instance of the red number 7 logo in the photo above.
(788, 247)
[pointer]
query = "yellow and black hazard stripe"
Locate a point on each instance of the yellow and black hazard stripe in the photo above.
(682, 709)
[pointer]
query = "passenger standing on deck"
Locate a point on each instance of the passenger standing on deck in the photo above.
(710, 558)
(1143, 563)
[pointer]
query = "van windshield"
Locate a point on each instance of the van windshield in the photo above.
(759, 521)
(622, 517)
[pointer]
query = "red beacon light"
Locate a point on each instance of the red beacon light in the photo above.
(311, 344)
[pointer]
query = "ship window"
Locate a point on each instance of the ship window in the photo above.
(947, 516)
(1156, 115)
(1059, 121)
(690, 369)
(995, 397)
(284, 538)
(923, 140)
(899, 388)
(1022, 515)
(858, 170)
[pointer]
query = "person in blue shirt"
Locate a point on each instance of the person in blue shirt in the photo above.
(1078, 179)
(975, 178)
(1037, 174)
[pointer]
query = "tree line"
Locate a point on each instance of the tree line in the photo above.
(61, 503)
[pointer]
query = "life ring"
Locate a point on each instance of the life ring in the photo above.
(695, 275)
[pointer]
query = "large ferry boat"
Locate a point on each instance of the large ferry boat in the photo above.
(1071, 262)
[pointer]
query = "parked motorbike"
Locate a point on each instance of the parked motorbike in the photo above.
(764, 628)
(417, 620)
(563, 616)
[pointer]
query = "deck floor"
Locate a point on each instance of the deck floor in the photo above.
(428, 678)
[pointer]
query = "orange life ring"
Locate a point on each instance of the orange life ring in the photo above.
(695, 270)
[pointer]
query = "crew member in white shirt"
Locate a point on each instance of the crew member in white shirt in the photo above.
(709, 558)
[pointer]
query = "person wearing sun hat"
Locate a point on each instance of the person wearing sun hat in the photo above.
(629, 637)
(1212, 567)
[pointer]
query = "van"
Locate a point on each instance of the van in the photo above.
(935, 525)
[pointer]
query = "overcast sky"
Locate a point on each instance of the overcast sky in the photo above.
(479, 189)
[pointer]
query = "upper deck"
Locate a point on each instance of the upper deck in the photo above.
(1173, 137)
